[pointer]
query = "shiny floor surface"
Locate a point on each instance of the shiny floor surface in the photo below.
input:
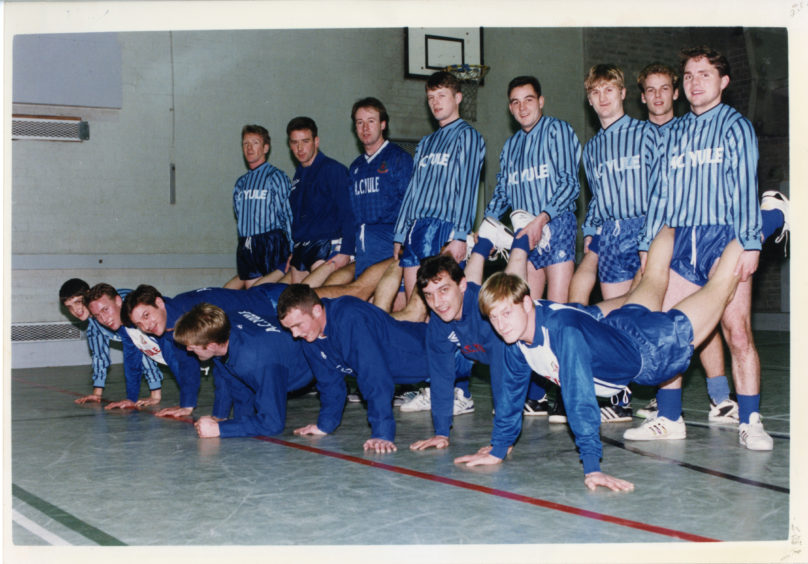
(85, 476)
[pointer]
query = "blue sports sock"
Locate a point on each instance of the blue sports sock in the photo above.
(536, 390)
(670, 403)
(522, 242)
(483, 247)
(718, 388)
(747, 405)
(772, 221)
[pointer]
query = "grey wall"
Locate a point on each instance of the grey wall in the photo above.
(100, 209)
(91, 209)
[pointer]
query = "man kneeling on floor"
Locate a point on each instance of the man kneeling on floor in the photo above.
(255, 363)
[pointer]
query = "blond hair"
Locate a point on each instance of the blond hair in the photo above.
(606, 72)
(501, 287)
(202, 325)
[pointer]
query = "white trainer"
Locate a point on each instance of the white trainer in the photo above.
(497, 233)
(520, 219)
(422, 401)
(404, 398)
(462, 404)
(724, 412)
(752, 435)
(649, 411)
(774, 200)
(657, 429)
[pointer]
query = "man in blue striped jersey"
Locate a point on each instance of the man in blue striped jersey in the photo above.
(323, 226)
(263, 215)
(441, 199)
(379, 179)
(707, 190)
(538, 173)
(659, 88)
(81, 301)
(618, 162)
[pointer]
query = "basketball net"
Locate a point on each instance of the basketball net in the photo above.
(469, 77)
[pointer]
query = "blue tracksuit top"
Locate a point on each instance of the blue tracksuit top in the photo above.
(445, 180)
(538, 171)
(620, 167)
(263, 363)
(576, 351)
(364, 341)
(475, 338)
(707, 176)
(184, 365)
(321, 206)
(378, 184)
(261, 202)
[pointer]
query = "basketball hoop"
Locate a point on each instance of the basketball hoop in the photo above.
(469, 77)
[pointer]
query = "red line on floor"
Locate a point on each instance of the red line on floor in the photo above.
(47, 387)
(460, 484)
(500, 493)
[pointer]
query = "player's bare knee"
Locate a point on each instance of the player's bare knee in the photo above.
(739, 337)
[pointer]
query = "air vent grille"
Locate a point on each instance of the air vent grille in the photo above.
(49, 128)
(44, 332)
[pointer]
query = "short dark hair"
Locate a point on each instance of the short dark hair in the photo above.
(524, 80)
(142, 295)
(376, 104)
(300, 123)
(714, 57)
(72, 288)
(201, 325)
(257, 130)
(370, 102)
(443, 79)
(297, 296)
(432, 267)
(657, 68)
(98, 291)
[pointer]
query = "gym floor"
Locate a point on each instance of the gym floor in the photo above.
(83, 476)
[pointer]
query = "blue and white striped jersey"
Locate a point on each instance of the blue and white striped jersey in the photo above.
(261, 202)
(538, 171)
(665, 126)
(445, 180)
(707, 176)
(379, 182)
(136, 363)
(98, 338)
(619, 164)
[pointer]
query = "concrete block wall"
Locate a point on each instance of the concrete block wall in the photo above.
(95, 208)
